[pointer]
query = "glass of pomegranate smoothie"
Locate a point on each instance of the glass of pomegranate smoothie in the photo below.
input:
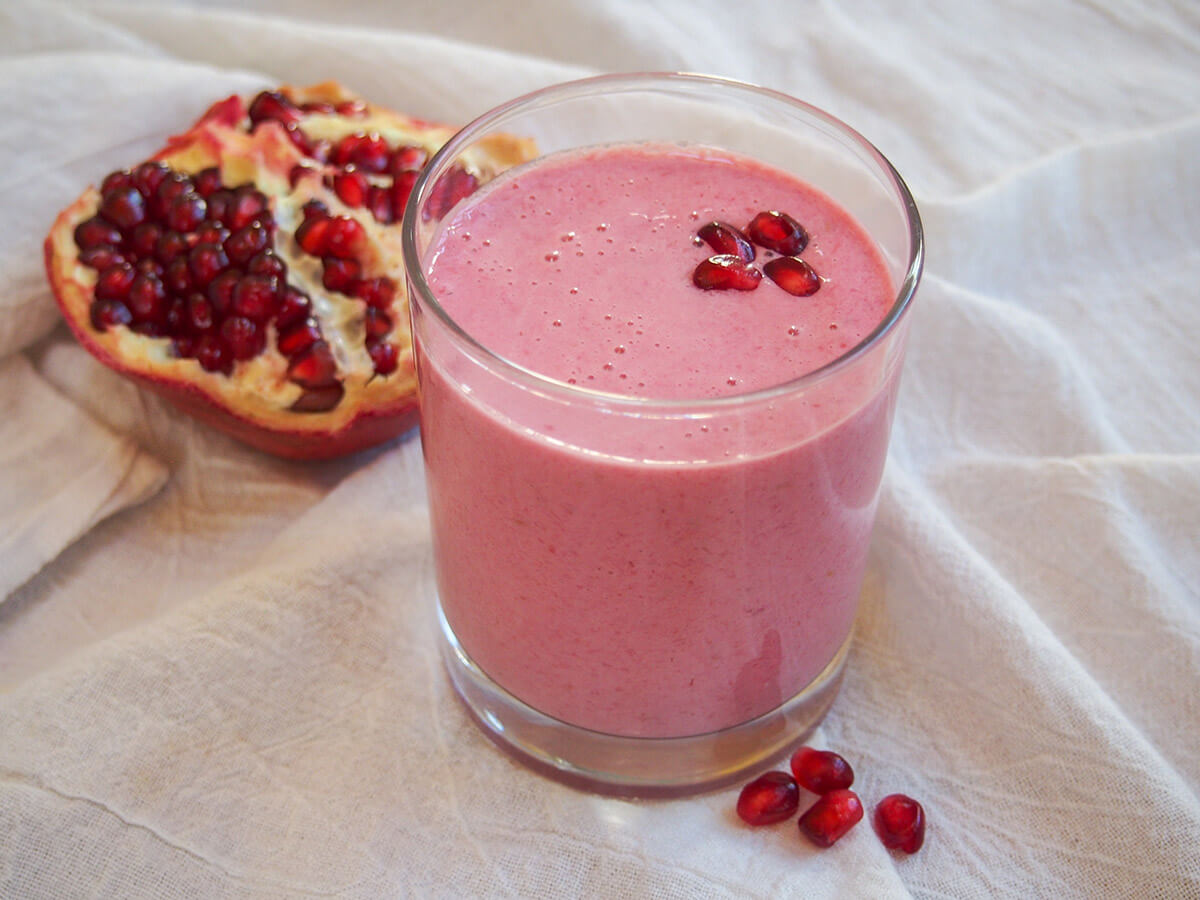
(658, 366)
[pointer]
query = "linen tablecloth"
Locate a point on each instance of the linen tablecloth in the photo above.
(218, 675)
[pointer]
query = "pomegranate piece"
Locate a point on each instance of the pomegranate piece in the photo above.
(821, 771)
(831, 817)
(768, 799)
(794, 275)
(779, 232)
(726, 272)
(727, 240)
(900, 823)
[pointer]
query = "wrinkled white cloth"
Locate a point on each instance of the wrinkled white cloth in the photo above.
(231, 689)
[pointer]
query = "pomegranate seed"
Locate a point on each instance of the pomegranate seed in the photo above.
(377, 322)
(101, 257)
(266, 263)
(794, 275)
(145, 238)
(727, 240)
(173, 185)
(242, 337)
(821, 771)
(178, 276)
(247, 205)
(778, 231)
(301, 170)
(377, 292)
(379, 201)
(206, 262)
(769, 798)
(106, 313)
(452, 187)
(314, 367)
(319, 399)
(220, 290)
(345, 238)
(726, 272)
(177, 317)
(351, 186)
(116, 180)
(94, 232)
(407, 159)
(147, 177)
(246, 242)
(199, 313)
(170, 245)
(272, 106)
(124, 207)
(352, 109)
(299, 337)
(368, 152)
(211, 354)
(313, 234)
(321, 108)
(292, 309)
(900, 823)
(149, 266)
(299, 139)
(340, 274)
(834, 814)
(383, 356)
(149, 328)
(219, 204)
(186, 212)
(115, 281)
(256, 296)
(184, 346)
(208, 182)
(401, 190)
(211, 233)
(315, 209)
(147, 298)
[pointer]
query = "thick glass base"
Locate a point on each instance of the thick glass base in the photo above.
(630, 766)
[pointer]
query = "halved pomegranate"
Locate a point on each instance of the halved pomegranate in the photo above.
(251, 273)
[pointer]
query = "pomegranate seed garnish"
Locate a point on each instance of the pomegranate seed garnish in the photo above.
(377, 322)
(206, 262)
(727, 240)
(340, 274)
(794, 275)
(726, 272)
(401, 190)
(220, 290)
(345, 237)
(834, 814)
(186, 212)
(299, 337)
(115, 281)
(769, 798)
(777, 231)
(900, 823)
(246, 242)
(377, 292)
(272, 106)
(106, 313)
(94, 232)
(147, 177)
(266, 263)
(101, 257)
(147, 298)
(313, 234)
(208, 182)
(256, 296)
(124, 207)
(211, 354)
(313, 368)
(821, 771)
(383, 355)
(242, 336)
(351, 187)
(293, 308)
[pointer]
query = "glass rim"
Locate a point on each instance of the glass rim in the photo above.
(602, 84)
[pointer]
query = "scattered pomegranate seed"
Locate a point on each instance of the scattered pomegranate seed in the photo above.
(346, 238)
(794, 275)
(821, 771)
(315, 209)
(115, 281)
(314, 367)
(377, 322)
(313, 235)
(377, 292)
(900, 823)
(124, 207)
(834, 814)
(769, 798)
(94, 232)
(726, 272)
(351, 187)
(340, 274)
(777, 231)
(383, 355)
(727, 240)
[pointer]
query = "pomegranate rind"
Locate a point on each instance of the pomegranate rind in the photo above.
(254, 405)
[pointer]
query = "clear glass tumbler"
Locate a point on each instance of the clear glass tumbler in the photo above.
(609, 660)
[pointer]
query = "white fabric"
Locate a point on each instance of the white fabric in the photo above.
(231, 690)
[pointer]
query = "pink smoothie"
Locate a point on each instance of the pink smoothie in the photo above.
(624, 567)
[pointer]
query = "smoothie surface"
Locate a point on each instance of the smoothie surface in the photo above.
(579, 267)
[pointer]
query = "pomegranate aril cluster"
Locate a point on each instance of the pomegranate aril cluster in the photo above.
(731, 267)
(774, 796)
